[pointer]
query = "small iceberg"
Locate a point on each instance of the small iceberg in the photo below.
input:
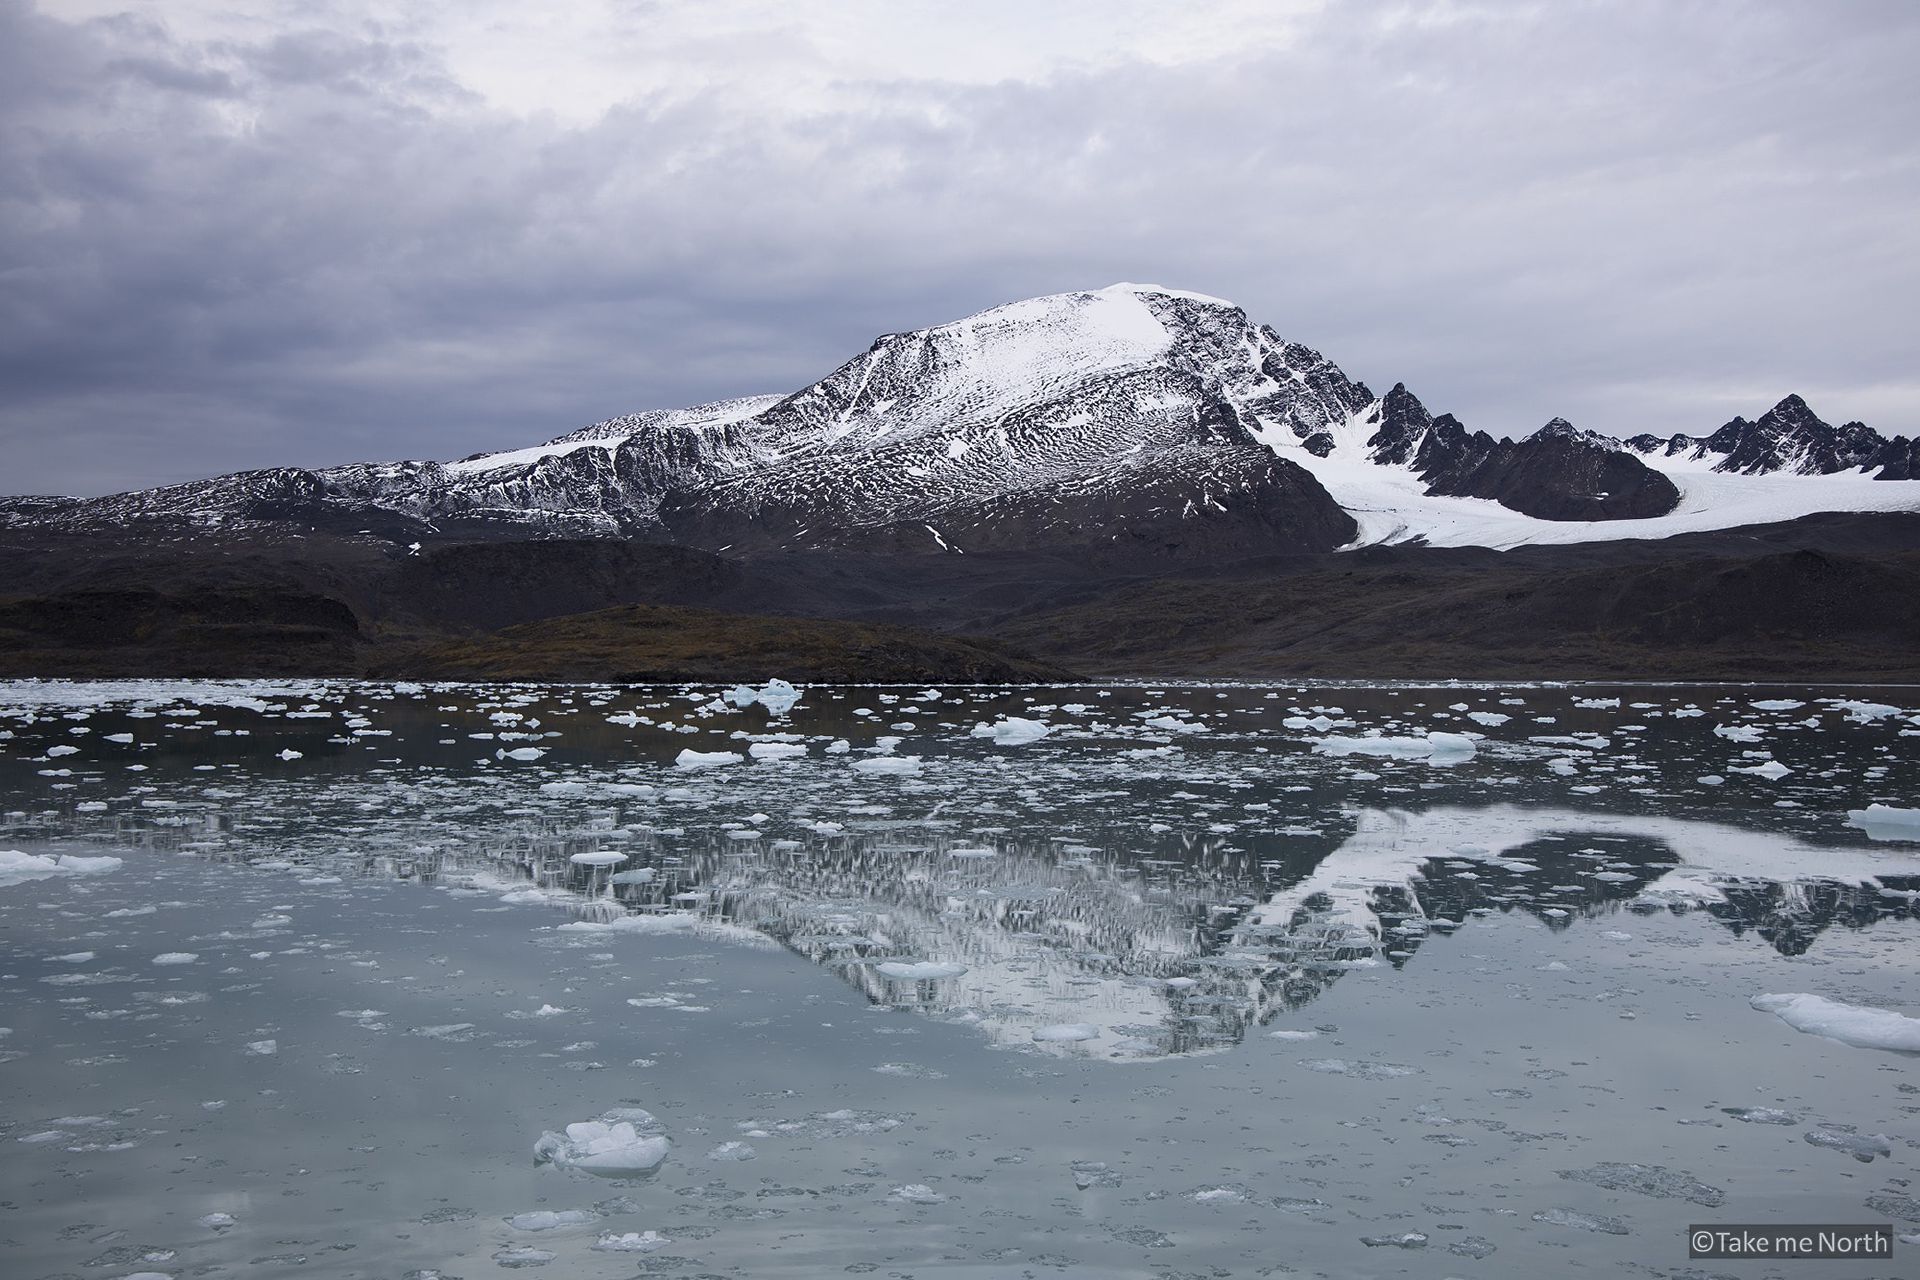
(611, 1147)
(691, 759)
(777, 696)
(1855, 1025)
(1884, 822)
(1013, 731)
(1435, 747)
(18, 868)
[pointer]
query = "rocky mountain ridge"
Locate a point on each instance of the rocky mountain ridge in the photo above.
(1131, 423)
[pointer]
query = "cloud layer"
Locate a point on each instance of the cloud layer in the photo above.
(242, 239)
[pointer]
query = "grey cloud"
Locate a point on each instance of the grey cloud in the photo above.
(171, 75)
(1640, 217)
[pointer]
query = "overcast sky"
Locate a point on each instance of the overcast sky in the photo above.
(237, 234)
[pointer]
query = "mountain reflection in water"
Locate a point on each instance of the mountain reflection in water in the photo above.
(1141, 955)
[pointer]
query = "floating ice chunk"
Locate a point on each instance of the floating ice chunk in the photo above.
(1405, 1240)
(1884, 822)
(290, 754)
(1013, 731)
(1762, 1115)
(732, 1151)
(1855, 1025)
(1861, 1147)
(18, 868)
(457, 1032)
(1434, 746)
(1093, 1173)
(897, 766)
(838, 747)
(921, 971)
(520, 753)
(691, 759)
(1293, 1033)
(1776, 704)
(639, 875)
(776, 750)
(1174, 725)
(778, 697)
(598, 858)
(1360, 1069)
(915, 1193)
(63, 750)
(1867, 712)
(1653, 1180)
(1738, 732)
(607, 1148)
(520, 1255)
(1584, 1221)
(1488, 718)
(631, 1242)
(552, 1219)
(176, 957)
(1772, 770)
(1181, 984)
(262, 1048)
(1067, 1031)
(217, 1221)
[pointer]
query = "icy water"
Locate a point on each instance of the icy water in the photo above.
(1204, 981)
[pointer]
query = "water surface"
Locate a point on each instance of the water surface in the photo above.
(1182, 987)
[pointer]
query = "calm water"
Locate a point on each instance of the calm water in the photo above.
(1182, 988)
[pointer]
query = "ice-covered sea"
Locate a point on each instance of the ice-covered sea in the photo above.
(336, 979)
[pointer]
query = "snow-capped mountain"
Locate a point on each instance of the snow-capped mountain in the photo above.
(1148, 421)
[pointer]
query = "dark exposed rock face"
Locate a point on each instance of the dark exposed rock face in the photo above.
(1558, 473)
(1789, 437)
(1897, 459)
(1097, 475)
(1402, 423)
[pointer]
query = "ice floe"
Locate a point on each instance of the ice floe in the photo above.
(18, 868)
(1435, 747)
(1013, 731)
(1850, 1024)
(613, 1146)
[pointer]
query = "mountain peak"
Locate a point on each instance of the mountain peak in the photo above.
(1127, 286)
(1131, 419)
